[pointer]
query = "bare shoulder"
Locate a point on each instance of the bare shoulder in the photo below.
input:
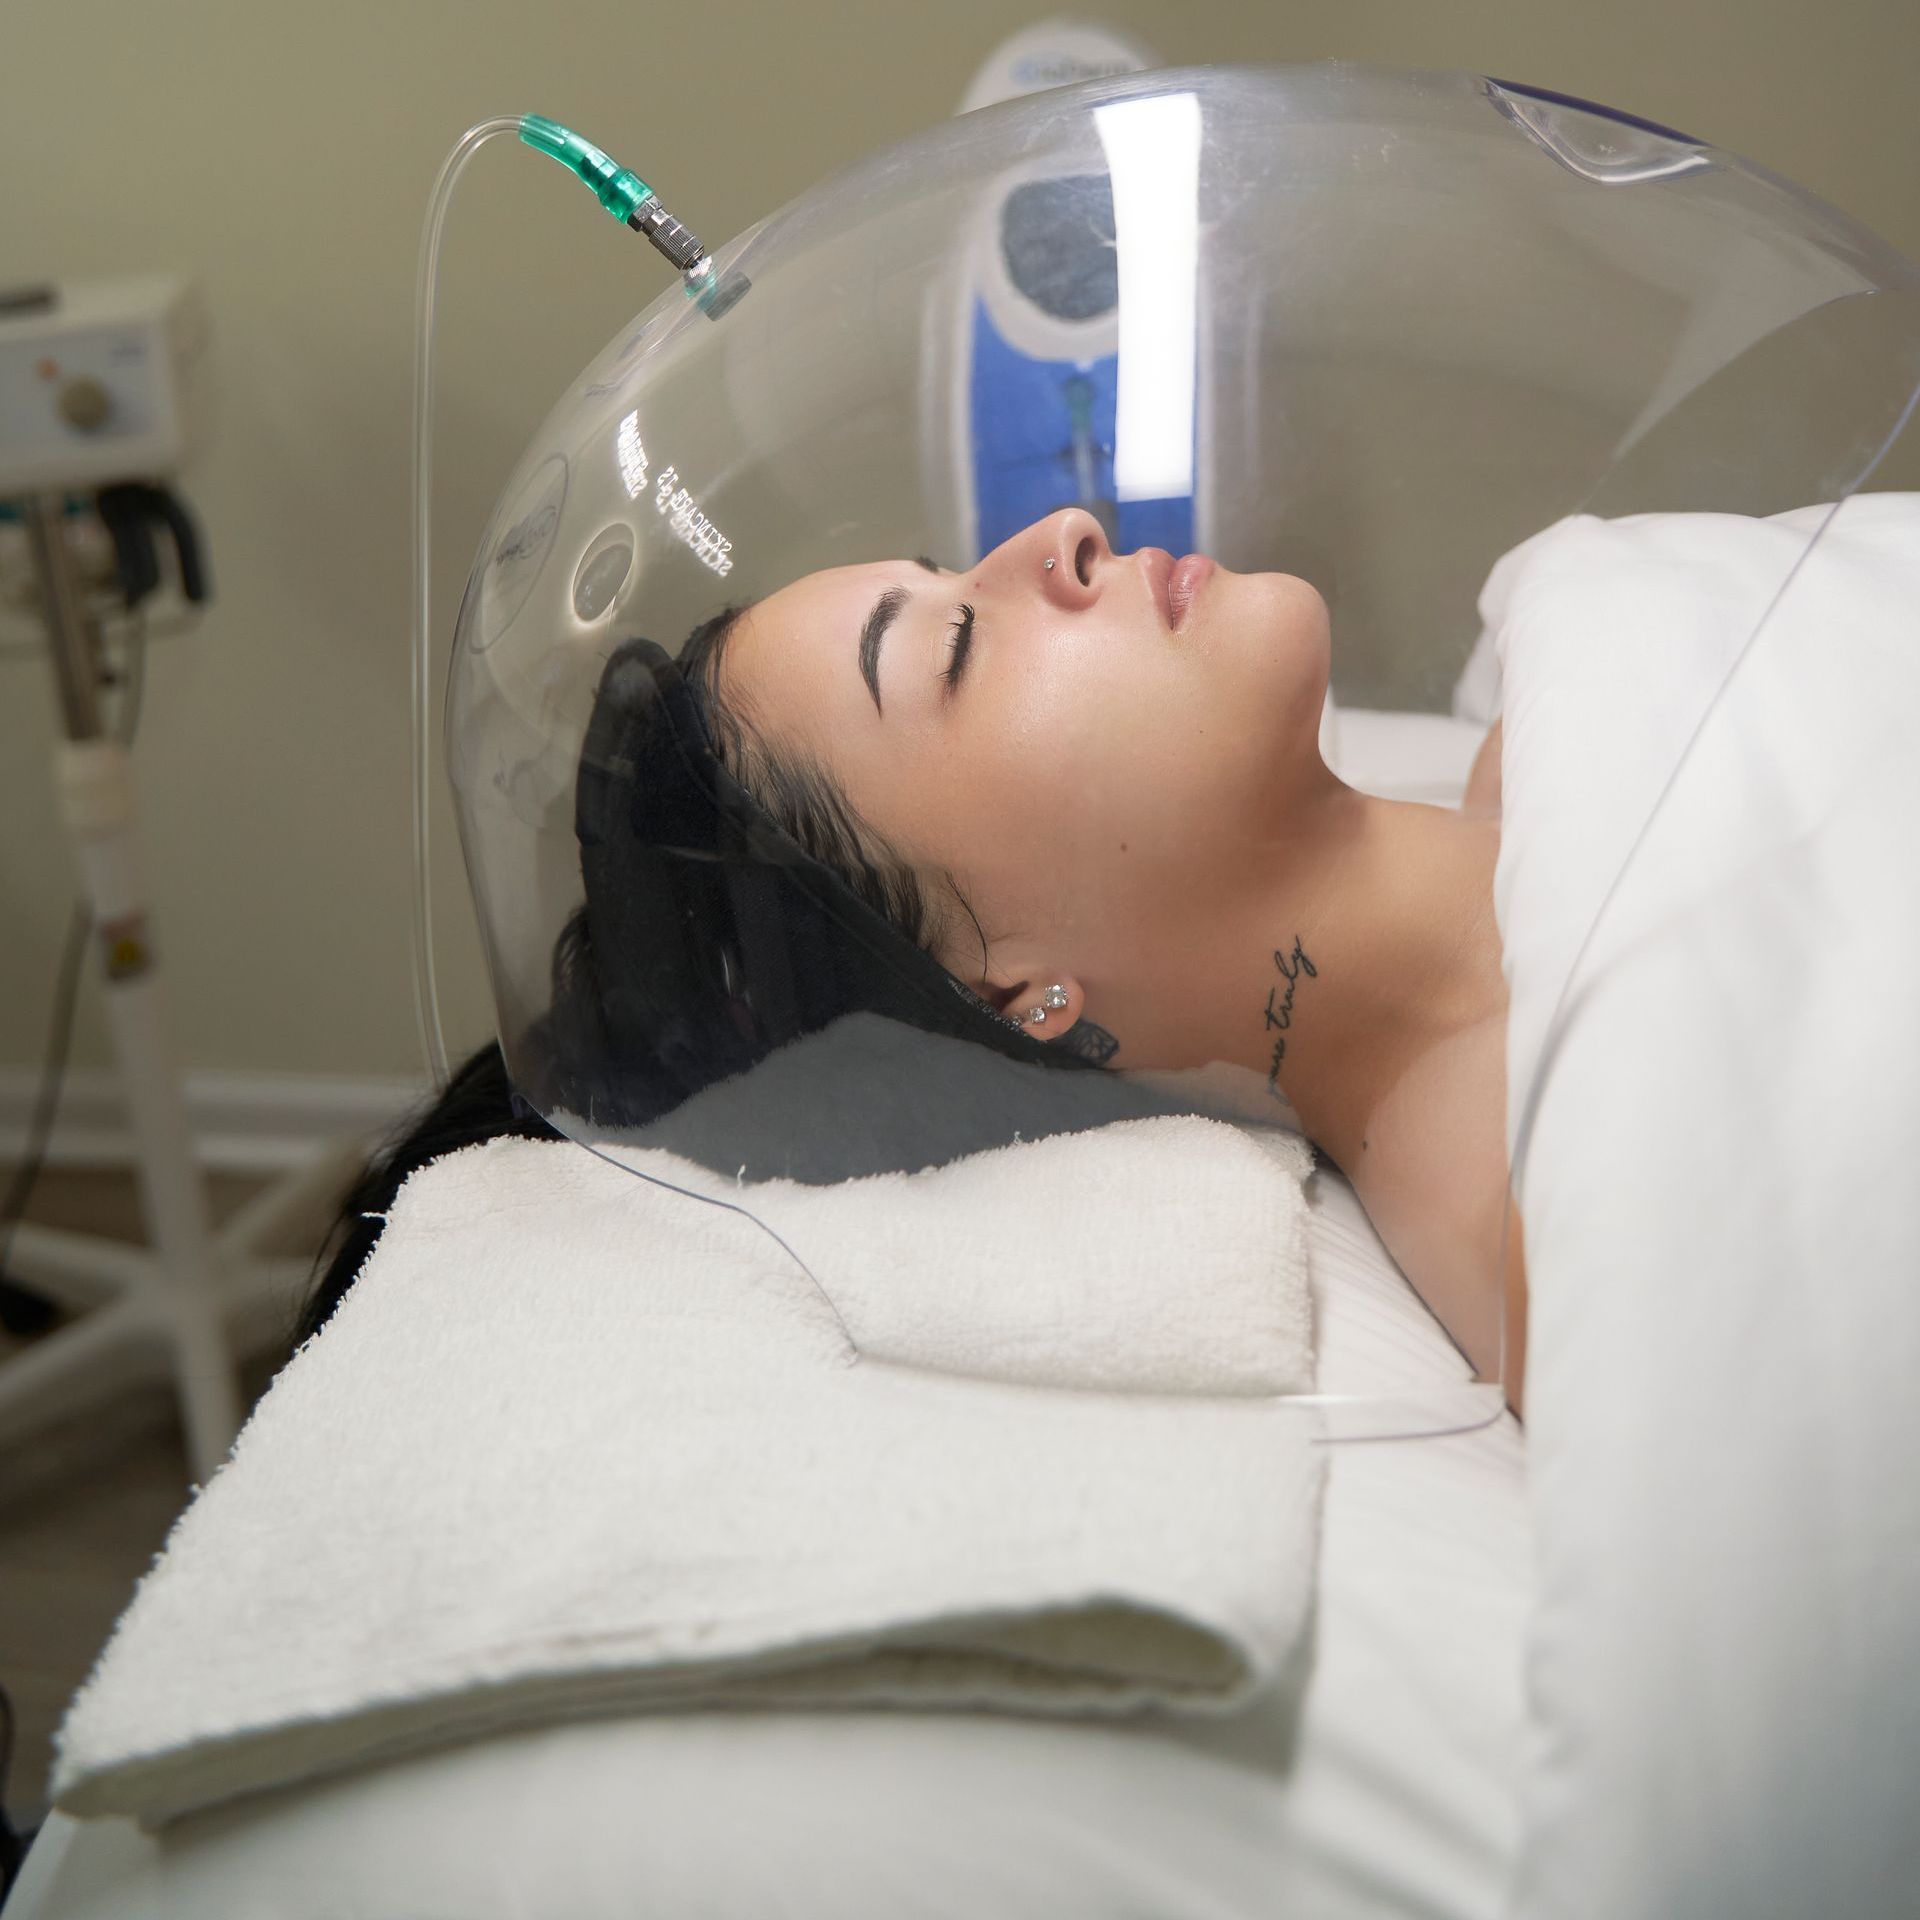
(1432, 1175)
(1483, 782)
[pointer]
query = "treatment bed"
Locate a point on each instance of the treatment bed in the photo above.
(1656, 1657)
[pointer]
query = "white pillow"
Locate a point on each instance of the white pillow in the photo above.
(1404, 756)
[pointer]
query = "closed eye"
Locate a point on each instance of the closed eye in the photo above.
(959, 645)
(886, 610)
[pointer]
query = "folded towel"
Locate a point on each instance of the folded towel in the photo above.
(1143, 1258)
(577, 1444)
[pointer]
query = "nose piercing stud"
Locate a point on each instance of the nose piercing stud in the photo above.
(1049, 565)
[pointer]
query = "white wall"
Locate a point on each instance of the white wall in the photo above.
(284, 154)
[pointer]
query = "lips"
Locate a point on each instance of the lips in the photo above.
(1173, 583)
(1183, 586)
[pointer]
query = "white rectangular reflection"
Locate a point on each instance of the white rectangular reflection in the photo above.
(1153, 157)
(631, 456)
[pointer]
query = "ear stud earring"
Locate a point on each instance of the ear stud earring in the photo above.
(1053, 999)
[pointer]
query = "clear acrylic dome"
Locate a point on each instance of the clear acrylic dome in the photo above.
(1369, 330)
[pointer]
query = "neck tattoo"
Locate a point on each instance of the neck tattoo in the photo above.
(1279, 1014)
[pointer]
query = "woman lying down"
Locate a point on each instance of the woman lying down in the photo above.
(1085, 791)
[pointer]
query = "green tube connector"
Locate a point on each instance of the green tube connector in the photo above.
(635, 204)
(620, 192)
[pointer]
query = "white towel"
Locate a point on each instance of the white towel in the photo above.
(574, 1445)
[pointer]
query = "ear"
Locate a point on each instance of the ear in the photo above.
(1045, 1003)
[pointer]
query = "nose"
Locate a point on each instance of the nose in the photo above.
(1062, 555)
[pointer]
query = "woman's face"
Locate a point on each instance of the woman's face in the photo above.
(1085, 741)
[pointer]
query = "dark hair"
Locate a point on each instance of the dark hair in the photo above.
(477, 1104)
(480, 1102)
(802, 799)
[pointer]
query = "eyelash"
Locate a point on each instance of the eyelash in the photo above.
(961, 644)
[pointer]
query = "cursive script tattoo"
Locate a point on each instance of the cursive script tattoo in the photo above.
(1292, 968)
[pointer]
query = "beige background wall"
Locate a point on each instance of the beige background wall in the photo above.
(284, 153)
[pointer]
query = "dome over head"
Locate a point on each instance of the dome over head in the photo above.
(1352, 333)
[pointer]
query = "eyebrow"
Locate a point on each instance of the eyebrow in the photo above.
(885, 611)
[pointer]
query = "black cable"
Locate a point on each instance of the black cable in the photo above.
(23, 1312)
(13, 1844)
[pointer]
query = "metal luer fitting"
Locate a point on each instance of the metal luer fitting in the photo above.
(679, 245)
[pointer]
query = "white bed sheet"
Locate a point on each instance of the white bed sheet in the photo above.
(1385, 1783)
(1723, 1242)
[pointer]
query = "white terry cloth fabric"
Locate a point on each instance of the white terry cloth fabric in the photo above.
(1722, 1234)
(1384, 1784)
(574, 1444)
(1139, 1258)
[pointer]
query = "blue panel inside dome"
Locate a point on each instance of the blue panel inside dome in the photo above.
(1042, 433)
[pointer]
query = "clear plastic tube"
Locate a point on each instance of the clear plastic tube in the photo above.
(426, 995)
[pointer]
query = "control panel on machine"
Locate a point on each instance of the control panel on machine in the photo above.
(99, 381)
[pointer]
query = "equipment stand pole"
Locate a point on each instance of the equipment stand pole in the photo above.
(95, 777)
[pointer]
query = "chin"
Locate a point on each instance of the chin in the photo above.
(1262, 690)
(1288, 623)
